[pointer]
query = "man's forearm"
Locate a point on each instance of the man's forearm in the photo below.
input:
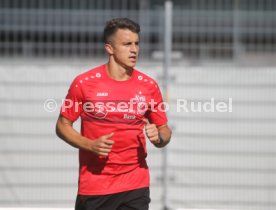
(164, 136)
(66, 132)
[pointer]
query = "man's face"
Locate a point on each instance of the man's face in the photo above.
(125, 47)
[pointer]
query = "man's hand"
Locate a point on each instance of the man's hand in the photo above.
(103, 145)
(152, 132)
(158, 136)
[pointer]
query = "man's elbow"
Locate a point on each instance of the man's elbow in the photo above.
(58, 130)
(60, 127)
(63, 126)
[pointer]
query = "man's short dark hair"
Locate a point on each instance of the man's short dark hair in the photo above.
(113, 25)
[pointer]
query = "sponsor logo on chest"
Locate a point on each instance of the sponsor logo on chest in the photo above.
(102, 94)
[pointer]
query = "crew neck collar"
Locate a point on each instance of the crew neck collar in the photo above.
(118, 81)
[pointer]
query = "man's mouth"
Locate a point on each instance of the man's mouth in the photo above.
(133, 58)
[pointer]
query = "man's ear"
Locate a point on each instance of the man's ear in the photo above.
(108, 48)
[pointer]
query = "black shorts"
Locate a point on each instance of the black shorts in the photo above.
(129, 200)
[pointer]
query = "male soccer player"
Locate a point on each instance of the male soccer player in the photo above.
(118, 106)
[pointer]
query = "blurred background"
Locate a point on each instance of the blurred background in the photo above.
(221, 49)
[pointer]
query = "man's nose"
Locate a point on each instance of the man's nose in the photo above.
(134, 48)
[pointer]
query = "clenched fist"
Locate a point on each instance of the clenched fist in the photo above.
(152, 133)
(103, 145)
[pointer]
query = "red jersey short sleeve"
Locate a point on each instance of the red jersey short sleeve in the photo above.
(108, 106)
(73, 104)
(157, 114)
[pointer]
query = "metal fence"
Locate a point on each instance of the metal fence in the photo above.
(225, 29)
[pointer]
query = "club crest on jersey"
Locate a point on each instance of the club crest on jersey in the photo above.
(138, 98)
(141, 104)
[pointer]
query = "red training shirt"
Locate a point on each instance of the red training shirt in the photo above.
(105, 106)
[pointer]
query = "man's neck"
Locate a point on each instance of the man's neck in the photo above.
(118, 72)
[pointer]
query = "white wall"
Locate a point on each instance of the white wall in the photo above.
(216, 160)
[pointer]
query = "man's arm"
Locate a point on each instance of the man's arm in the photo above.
(165, 134)
(64, 130)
